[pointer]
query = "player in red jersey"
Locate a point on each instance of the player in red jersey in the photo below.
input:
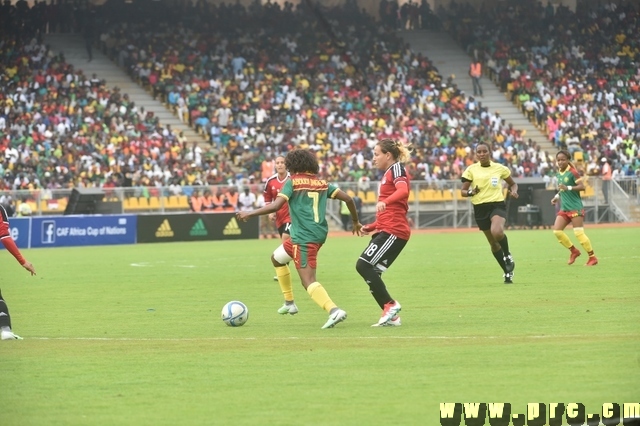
(272, 188)
(390, 231)
(7, 241)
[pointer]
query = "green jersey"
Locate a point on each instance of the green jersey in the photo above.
(569, 200)
(307, 196)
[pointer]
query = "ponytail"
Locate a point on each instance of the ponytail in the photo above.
(399, 151)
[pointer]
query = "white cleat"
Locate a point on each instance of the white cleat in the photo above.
(338, 316)
(393, 322)
(8, 335)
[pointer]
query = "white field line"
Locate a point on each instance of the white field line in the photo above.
(214, 339)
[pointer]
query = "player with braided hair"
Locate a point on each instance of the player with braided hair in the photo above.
(571, 208)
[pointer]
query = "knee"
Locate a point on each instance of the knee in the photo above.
(363, 267)
(275, 262)
(578, 231)
(558, 232)
(497, 232)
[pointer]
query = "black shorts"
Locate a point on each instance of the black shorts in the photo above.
(285, 229)
(383, 249)
(485, 211)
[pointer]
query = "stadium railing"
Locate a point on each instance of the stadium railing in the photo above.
(431, 203)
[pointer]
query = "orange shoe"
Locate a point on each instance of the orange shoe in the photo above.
(593, 261)
(574, 255)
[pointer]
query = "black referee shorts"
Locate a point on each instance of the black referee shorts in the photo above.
(485, 211)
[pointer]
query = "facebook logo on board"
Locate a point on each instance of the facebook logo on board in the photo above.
(48, 231)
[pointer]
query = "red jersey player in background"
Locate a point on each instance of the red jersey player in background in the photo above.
(272, 188)
(391, 231)
(7, 241)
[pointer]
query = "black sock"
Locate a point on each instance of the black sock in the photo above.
(376, 285)
(504, 243)
(5, 318)
(499, 255)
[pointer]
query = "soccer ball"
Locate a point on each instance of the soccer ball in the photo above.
(235, 313)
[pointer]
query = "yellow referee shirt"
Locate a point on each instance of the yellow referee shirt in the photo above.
(488, 180)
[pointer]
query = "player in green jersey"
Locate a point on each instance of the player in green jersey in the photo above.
(571, 208)
(307, 196)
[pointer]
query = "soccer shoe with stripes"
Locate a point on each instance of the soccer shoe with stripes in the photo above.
(390, 311)
(393, 322)
(508, 278)
(8, 335)
(337, 316)
(593, 261)
(509, 264)
(291, 309)
(574, 255)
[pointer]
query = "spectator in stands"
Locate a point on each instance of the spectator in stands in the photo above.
(247, 200)
(475, 72)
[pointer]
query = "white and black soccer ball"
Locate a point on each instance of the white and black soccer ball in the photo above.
(235, 313)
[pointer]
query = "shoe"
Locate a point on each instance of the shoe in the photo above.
(390, 311)
(291, 309)
(8, 335)
(393, 322)
(593, 261)
(338, 316)
(574, 255)
(509, 263)
(508, 277)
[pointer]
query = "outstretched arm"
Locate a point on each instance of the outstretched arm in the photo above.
(10, 245)
(269, 208)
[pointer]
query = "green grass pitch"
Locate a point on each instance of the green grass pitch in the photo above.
(131, 335)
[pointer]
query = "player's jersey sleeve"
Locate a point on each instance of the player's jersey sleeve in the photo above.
(505, 172)
(398, 173)
(4, 225)
(467, 175)
(332, 190)
(287, 190)
(576, 176)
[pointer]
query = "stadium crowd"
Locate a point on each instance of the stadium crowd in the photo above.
(331, 80)
(574, 74)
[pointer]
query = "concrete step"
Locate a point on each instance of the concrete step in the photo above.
(450, 59)
(73, 48)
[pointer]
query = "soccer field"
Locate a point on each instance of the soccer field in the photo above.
(131, 335)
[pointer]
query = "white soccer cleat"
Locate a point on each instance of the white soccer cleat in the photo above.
(291, 309)
(390, 311)
(393, 322)
(8, 335)
(337, 316)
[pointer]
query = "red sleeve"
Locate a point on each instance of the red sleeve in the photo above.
(13, 249)
(401, 192)
(370, 227)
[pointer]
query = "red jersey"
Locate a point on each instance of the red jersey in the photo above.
(393, 219)
(272, 188)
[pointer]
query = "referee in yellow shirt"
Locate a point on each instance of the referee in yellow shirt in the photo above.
(482, 182)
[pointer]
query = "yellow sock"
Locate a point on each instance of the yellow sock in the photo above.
(562, 238)
(320, 296)
(284, 279)
(584, 240)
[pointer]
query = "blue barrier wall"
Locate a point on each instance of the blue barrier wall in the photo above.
(20, 227)
(67, 231)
